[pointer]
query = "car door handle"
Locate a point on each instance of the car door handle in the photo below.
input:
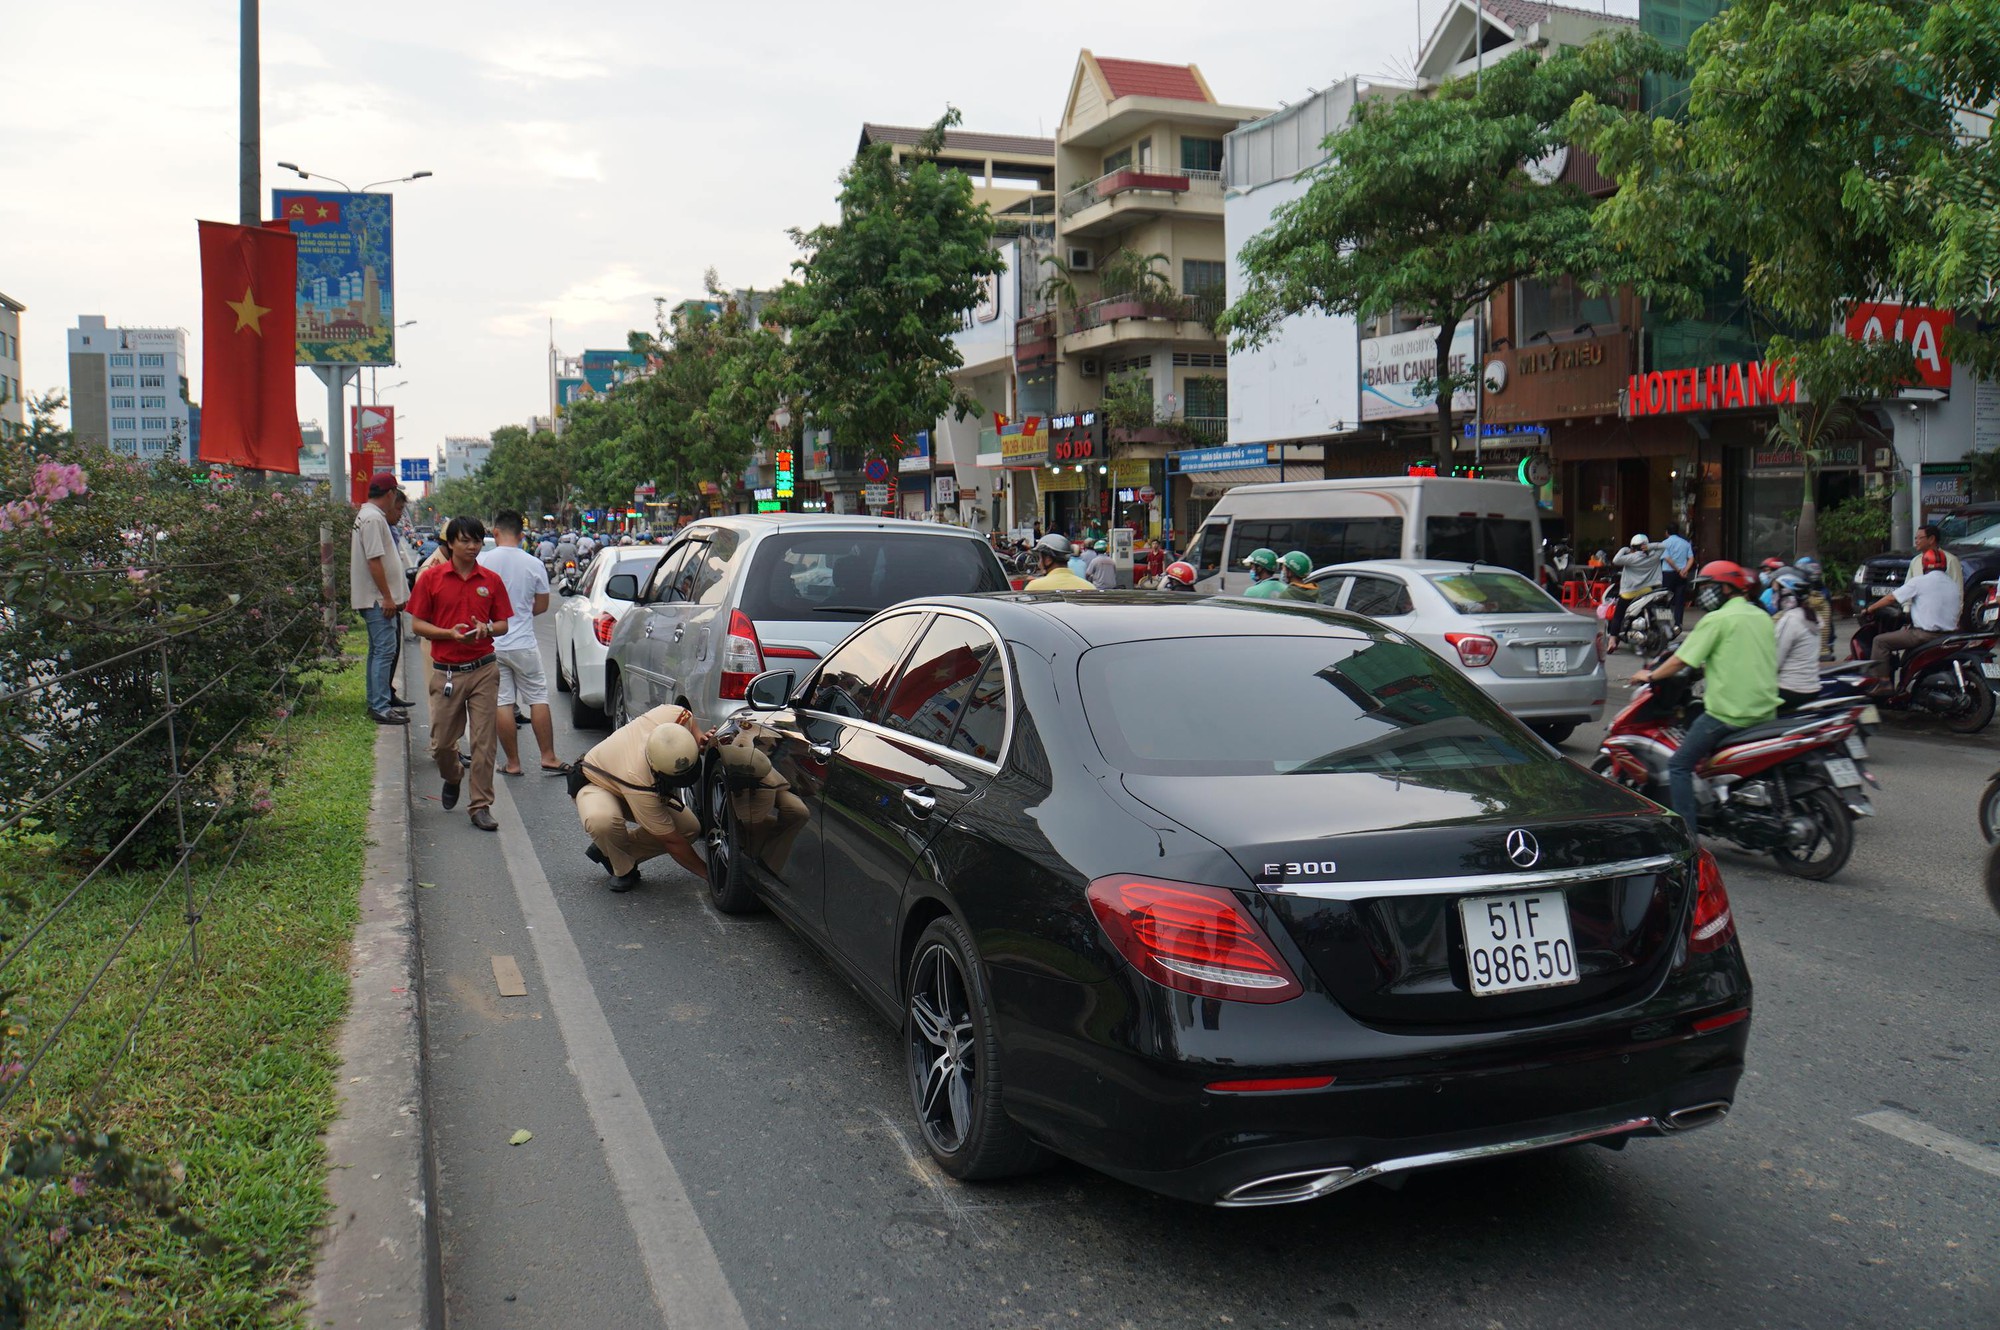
(820, 752)
(679, 631)
(922, 802)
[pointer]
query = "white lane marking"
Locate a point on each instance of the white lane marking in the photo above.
(1955, 1148)
(687, 1280)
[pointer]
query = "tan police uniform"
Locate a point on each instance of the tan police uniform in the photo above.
(620, 791)
(769, 816)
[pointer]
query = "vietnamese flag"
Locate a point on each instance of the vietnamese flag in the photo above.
(249, 342)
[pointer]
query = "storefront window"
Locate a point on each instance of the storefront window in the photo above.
(1559, 309)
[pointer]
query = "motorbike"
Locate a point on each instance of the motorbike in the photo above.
(1791, 787)
(1649, 620)
(1951, 677)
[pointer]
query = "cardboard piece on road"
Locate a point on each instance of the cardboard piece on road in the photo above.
(508, 976)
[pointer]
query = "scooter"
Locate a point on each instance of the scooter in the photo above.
(1791, 787)
(1649, 620)
(1951, 677)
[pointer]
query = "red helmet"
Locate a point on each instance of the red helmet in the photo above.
(1934, 560)
(1727, 573)
(1772, 564)
(1180, 571)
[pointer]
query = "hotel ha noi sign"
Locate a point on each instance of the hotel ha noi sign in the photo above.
(1732, 387)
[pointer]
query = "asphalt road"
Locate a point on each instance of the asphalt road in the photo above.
(769, 1173)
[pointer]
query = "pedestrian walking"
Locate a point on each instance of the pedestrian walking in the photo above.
(461, 608)
(522, 681)
(627, 800)
(1677, 571)
(375, 588)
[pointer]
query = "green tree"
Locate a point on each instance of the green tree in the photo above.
(1425, 206)
(1840, 150)
(882, 291)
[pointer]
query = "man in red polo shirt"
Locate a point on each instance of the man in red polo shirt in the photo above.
(461, 607)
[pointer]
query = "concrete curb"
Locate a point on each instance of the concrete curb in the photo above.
(377, 1259)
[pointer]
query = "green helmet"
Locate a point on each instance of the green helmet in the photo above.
(1100, 547)
(1264, 561)
(1297, 564)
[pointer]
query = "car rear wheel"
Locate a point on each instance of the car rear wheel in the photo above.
(582, 715)
(562, 680)
(728, 881)
(1554, 732)
(1831, 841)
(1989, 813)
(615, 705)
(953, 1054)
(1993, 879)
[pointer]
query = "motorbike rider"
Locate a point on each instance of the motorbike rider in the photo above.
(1935, 600)
(1638, 572)
(1298, 566)
(1926, 540)
(1053, 553)
(1179, 576)
(1099, 570)
(1265, 584)
(565, 550)
(1816, 600)
(1734, 643)
(1797, 629)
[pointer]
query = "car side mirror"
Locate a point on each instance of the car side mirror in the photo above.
(622, 586)
(771, 690)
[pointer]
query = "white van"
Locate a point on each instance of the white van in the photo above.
(1389, 517)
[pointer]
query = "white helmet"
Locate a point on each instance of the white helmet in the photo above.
(1638, 540)
(672, 751)
(1055, 543)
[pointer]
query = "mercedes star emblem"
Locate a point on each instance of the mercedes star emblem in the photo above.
(1523, 849)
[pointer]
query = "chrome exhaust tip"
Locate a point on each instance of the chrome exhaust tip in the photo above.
(1288, 1188)
(1700, 1115)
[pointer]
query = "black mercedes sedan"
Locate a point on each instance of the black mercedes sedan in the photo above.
(1241, 901)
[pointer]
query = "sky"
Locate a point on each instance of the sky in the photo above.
(585, 161)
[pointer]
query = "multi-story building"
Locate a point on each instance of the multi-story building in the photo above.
(13, 404)
(1123, 361)
(312, 451)
(128, 389)
(464, 456)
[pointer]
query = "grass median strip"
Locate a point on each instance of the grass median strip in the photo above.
(231, 1078)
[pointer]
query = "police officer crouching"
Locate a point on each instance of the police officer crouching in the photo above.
(632, 778)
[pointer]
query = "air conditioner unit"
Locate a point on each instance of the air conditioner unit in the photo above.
(1081, 260)
(1090, 367)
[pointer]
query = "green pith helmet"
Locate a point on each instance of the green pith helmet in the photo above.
(1297, 564)
(1264, 561)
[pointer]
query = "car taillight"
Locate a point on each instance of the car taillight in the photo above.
(601, 626)
(1714, 925)
(1193, 939)
(742, 657)
(1474, 649)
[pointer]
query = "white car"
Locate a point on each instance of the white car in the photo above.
(586, 612)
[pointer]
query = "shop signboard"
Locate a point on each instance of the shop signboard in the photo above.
(1837, 455)
(1076, 437)
(1393, 367)
(346, 299)
(1557, 381)
(1985, 416)
(1130, 473)
(1943, 486)
(1920, 329)
(1023, 445)
(1060, 482)
(1197, 460)
(944, 490)
(782, 473)
(1710, 388)
(917, 452)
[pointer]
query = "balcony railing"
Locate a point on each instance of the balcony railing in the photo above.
(1203, 184)
(1209, 429)
(1098, 313)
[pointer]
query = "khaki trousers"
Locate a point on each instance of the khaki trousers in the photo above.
(605, 821)
(474, 699)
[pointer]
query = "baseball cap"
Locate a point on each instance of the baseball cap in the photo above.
(381, 483)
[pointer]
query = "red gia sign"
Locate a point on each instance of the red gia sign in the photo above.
(1920, 329)
(1710, 388)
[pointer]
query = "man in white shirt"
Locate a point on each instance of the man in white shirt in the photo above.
(1926, 540)
(1934, 600)
(377, 589)
(518, 651)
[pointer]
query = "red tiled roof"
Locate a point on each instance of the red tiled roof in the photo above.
(1144, 78)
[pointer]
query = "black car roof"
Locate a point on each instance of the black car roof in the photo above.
(1100, 617)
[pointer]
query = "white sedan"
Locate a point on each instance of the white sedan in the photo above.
(589, 608)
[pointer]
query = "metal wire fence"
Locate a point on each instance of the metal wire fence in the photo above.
(198, 818)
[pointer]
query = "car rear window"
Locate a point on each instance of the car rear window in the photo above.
(853, 574)
(1508, 542)
(1324, 539)
(1321, 704)
(1493, 593)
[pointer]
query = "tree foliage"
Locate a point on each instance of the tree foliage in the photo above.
(1425, 206)
(881, 292)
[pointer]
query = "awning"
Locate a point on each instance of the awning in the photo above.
(1213, 484)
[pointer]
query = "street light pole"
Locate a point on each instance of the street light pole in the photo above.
(249, 182)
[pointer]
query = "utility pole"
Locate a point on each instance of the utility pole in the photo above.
(250, 204)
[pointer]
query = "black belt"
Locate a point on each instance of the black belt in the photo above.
(460, 669)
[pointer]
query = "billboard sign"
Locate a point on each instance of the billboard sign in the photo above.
(346, 307)
(918, 458)
(1920, 329)
(1393, 366)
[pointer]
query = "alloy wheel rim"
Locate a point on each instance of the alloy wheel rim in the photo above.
(944, 1069)
(718, 834)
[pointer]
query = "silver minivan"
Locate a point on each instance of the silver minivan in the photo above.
(1382, 517)
(735, 596)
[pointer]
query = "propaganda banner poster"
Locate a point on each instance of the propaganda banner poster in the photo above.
(346, 305)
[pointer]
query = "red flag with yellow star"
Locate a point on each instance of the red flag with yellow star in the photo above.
(249, 340)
